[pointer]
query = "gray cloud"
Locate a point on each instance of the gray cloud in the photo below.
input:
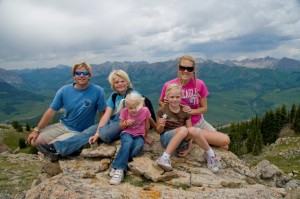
(47, 33)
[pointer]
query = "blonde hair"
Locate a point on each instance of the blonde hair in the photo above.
(132, 97)
(84, 65)
(173, 88)
(191, 59)
(118, 74)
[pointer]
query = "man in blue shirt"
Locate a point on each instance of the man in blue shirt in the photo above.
(80, 102)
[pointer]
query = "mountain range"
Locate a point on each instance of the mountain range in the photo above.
(239, 89)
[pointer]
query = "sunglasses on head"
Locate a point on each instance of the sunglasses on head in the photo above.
(84, 73)
(183, 68)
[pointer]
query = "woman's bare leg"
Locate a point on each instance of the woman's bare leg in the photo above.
(216, 138)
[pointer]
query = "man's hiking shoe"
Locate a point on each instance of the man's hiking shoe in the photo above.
(212, 163)
(48, 150)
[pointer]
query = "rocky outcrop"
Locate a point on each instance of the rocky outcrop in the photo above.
(288, 153)
(86, 176)
(4, 148)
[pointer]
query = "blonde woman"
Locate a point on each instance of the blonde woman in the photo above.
(194, 99)
(108, 127)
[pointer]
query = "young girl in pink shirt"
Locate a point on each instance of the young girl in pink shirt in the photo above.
(133, 121)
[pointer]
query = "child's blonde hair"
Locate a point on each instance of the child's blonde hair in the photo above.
(173, 88)
(118, 74)
(132, 97)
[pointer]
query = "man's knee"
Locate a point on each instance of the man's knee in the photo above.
(38, 140)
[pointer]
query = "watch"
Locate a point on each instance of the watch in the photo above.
(36, 129)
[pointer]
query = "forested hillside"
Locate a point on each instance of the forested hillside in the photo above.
(250, 136)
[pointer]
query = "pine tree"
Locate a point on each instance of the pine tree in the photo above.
(22, 143)
(258, 143)
(235, 139)
(250, 140)
(20, 128)
(242, 128)
(297, 121)
(292, 114)
(276, 125)
(283, 115)
(15, 124)
(255, 140)
(277, 121)
(268, 127)
(253, 125)
(27, 127)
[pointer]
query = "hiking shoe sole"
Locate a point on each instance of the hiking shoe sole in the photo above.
(54, 157)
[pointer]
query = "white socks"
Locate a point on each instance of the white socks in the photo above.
(210, 152)
(166, 155)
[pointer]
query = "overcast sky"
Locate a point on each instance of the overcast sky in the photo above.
(46, 33)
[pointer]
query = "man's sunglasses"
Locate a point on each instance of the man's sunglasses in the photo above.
(84, 73)
(183, 68)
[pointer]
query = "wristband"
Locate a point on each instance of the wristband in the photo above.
(36, 129)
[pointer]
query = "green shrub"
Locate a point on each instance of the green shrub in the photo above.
(33, 150)
(27, 127)
(22, 143)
